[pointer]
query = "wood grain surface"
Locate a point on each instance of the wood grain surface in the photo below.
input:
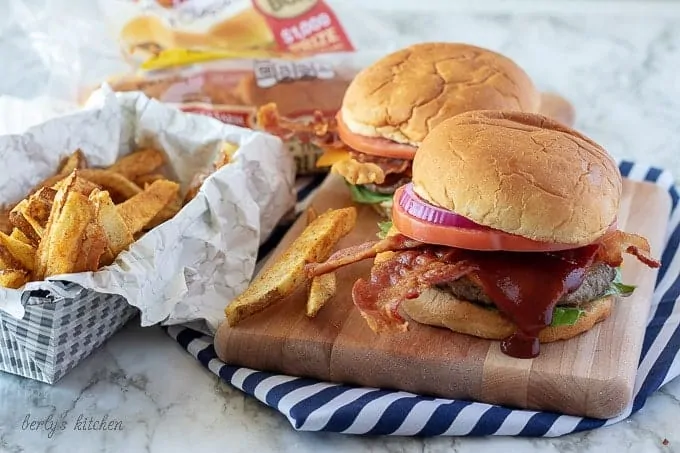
(590, 375)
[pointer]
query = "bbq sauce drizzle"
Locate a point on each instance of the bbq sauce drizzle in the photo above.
(524, 286)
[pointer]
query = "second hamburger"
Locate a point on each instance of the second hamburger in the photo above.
(392, 105)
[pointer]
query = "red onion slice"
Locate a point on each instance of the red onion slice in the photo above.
(421, 209)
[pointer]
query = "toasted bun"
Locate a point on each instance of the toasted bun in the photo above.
(521, 173)
(438, 308)
(403, 95)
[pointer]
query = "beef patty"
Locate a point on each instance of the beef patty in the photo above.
(595, 285)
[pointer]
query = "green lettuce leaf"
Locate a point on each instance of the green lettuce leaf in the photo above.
(362, 195)
(618, 288)
(565, 316)
(384, 228)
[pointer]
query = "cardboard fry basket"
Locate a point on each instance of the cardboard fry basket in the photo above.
(57, 332)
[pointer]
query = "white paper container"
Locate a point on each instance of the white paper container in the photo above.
(184, 271)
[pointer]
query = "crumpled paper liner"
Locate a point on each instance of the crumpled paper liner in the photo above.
(187, 269)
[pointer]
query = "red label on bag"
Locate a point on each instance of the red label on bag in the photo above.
(302, 26)
(239, 116)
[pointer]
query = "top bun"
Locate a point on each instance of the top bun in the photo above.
(521, 173)
(405, 94)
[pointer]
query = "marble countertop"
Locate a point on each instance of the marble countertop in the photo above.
(616, 62)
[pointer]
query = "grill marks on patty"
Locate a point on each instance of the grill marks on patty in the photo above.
(595, 285)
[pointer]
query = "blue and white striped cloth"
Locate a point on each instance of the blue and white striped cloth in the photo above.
(311, 405)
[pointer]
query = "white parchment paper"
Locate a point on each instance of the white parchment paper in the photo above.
(190, 267)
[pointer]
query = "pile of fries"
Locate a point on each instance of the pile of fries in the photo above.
(81, 218)
(287, 273)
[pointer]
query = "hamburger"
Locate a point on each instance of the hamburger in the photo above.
(506, 232)
(391, 106)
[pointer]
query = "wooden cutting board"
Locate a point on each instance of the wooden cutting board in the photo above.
(590, 375)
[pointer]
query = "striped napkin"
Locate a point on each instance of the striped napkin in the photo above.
(311, 405)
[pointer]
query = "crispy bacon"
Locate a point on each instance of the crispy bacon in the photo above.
(321, 130)
(388, 165)
(416, 266)
(404, 276)
(615, 243)
(354, 254)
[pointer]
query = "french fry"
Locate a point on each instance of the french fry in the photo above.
(118, 236)
(24, 253)
(31, 229)
(311, 214)
(39, 205)
(168, 212)
(138, 163)
(278, 281)
(119, 187)
(13, 278)
(321, 290)
(19, 236)
(7, 260)
(226, 154)
(139, 210)
(77, 183)
(94, 244)
(65, 234)
(144, 180)
(75, 161)
(5, 222)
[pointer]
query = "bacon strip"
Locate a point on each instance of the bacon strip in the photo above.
(403, 276)
(321, 130)
(615, 243)
(360, 252)
(389, 165)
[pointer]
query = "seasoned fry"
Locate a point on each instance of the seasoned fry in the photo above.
(311, 214)
(5, 222)
(75, 161)
(144, 180)
(94, 245)
(13, 278)
(22, 252)
(38, 205)
(19, 236)
(168, 212)
(119, 187)
(138, 163)
(139, 210)
(314, 244)
(118, 236)
(70, 221)
(321, 290)
(7, 260)
(31, 229)
(66, 232)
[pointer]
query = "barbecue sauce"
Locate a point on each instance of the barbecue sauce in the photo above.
(524, 286)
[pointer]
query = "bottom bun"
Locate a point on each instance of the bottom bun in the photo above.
(439, 308)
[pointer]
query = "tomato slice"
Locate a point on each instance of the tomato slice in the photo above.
(486, 239)
(374, 145)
